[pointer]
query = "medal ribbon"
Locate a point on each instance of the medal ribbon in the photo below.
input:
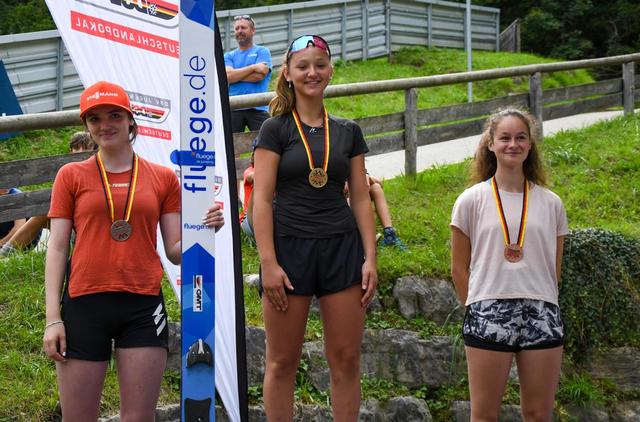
(133, 180)
(325, 160)
(503, 220)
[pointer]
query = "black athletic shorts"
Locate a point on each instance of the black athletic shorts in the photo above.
(512, 325)
(320, 266)
(249, 117)
(95, 323)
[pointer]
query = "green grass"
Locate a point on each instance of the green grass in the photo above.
(409, 62)
(594, 170)
(37, 143)
(28, 383)
(418, 61)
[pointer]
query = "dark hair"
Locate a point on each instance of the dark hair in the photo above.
(133, 130)
(82, 140)
(484, 164)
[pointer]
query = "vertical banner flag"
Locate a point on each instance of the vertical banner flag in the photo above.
(136, 44)
(9, 105)
(197, 164)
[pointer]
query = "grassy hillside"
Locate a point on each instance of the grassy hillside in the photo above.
(417, 61)
(409, 62)
(595, 170)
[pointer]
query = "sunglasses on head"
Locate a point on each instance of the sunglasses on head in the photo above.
(244, 17)
(305, 41)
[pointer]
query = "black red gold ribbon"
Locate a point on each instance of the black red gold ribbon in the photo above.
(503, 220)
(107, 189)
(327, 146)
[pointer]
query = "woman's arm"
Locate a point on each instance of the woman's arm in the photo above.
(460, 260)
(171, 236)
(54, 339)
(273, 277)
(559, 252)
(361, 205)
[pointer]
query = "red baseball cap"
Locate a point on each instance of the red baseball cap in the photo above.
(102, 93)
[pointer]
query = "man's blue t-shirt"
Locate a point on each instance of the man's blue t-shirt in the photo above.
(243, 58)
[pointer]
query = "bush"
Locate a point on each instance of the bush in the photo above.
(599, 293)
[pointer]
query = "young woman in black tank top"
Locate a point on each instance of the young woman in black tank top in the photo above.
(310, 242)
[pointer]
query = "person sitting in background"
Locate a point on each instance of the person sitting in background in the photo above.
(9, 228)
(80, 142)
(246, 219)
(28, 234)
(390, 236)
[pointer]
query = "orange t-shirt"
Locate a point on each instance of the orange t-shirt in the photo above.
(248, 187)
(99, 263)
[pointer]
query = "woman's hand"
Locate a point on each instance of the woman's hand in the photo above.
(274, 279)
(214, 217)
(54, 342)
(369, 282)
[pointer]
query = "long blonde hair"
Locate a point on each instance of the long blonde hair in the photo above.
(485, 164)
(285, 99)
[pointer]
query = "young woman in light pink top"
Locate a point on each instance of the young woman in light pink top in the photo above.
(506, 252)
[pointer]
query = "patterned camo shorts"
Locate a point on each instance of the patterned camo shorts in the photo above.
(512, 325)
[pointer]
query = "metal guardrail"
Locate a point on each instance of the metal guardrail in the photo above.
(72, 117)
(45, 79)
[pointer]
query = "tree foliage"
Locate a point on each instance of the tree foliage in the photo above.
(17, 16)
(566, 29)
(574, 29)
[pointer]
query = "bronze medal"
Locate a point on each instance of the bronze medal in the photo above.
(120, 230)
(513, 252)
(318, 177)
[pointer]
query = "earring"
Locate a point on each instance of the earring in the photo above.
(290, 85)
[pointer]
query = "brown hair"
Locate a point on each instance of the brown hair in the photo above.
(285, 99)
(484, 162)
(82, 140)
(133, 130)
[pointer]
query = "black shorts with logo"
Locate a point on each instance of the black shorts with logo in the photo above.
(96, 322)
(320, 266)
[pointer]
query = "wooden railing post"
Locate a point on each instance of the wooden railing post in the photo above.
(535, 99)
(628, 83)
(410, 131)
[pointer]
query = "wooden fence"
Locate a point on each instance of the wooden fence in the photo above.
(392, 132)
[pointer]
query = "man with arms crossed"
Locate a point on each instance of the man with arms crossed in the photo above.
(248, 70)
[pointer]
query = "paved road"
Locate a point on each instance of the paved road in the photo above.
(387, 166)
